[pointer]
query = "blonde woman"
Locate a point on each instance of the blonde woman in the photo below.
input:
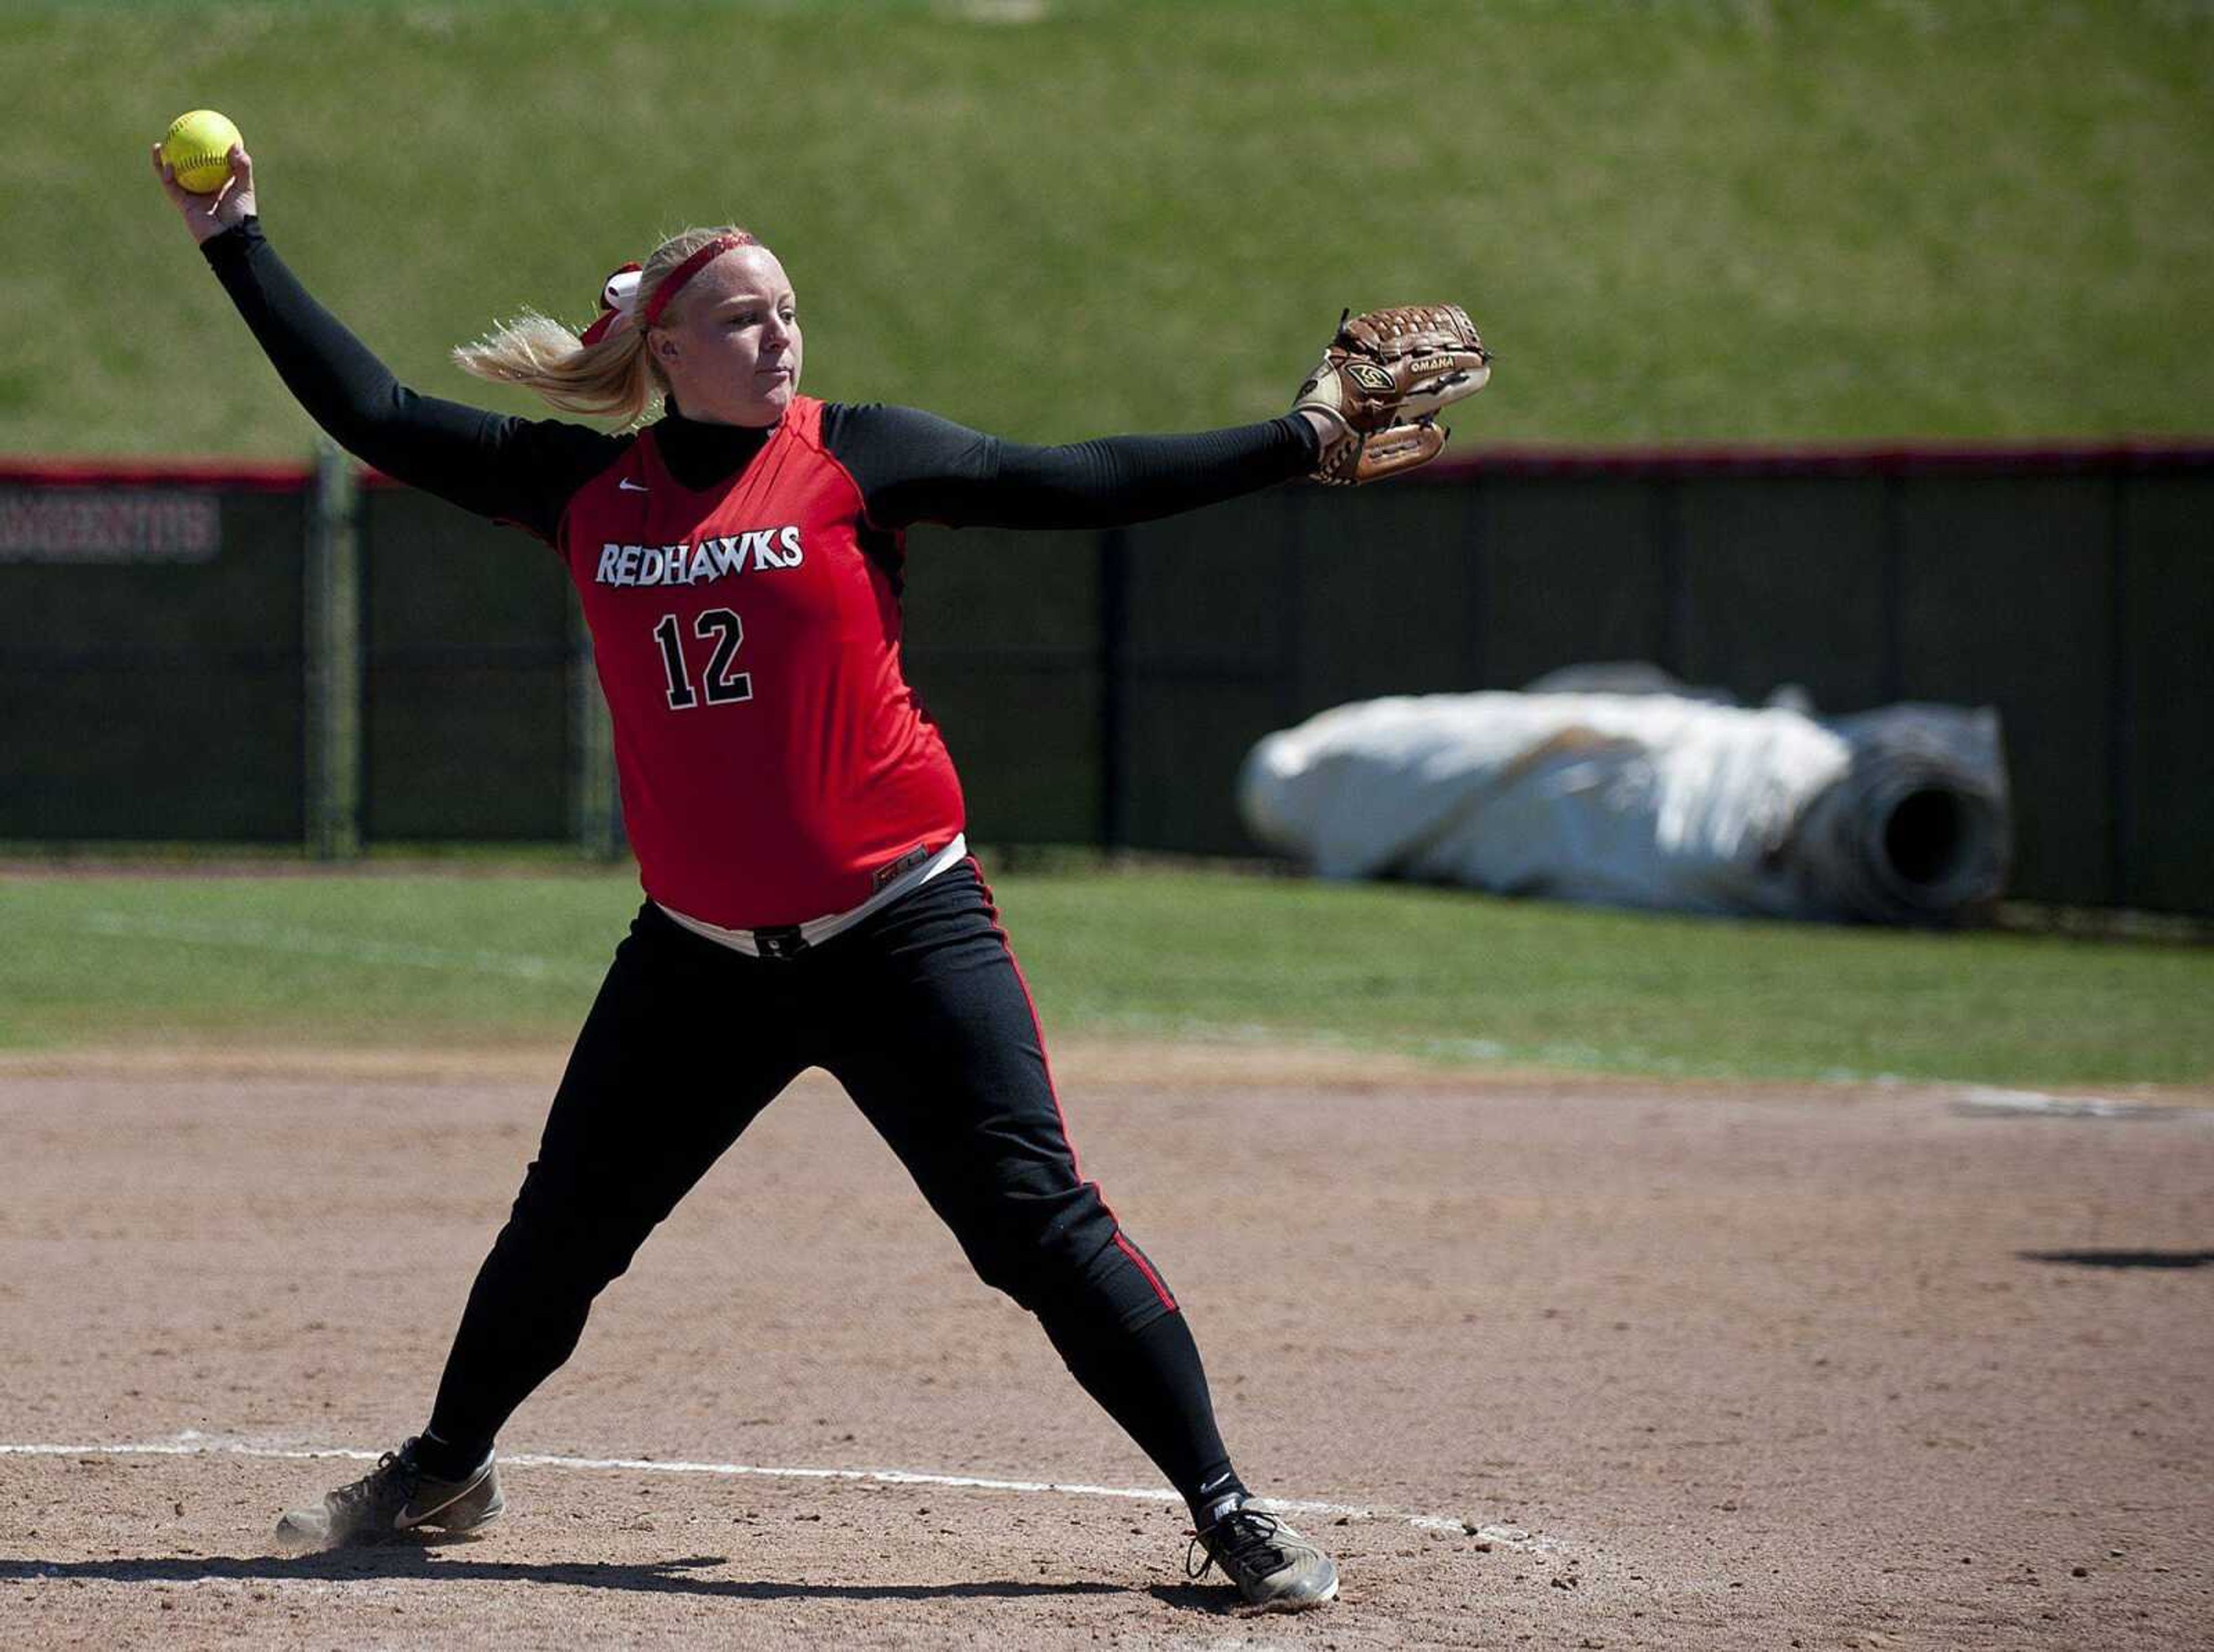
(798, 827)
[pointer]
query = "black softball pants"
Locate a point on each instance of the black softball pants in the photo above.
(919, 1012)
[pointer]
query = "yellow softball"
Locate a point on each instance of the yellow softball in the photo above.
(198, 145)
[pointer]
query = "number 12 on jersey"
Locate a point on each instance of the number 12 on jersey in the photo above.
(722, 685)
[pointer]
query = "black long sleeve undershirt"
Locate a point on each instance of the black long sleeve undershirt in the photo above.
(915, 466)
(911, 465)
(511, 469)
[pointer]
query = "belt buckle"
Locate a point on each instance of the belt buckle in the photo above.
(782, 942)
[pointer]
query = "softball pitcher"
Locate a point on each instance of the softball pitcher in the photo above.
(797, 824)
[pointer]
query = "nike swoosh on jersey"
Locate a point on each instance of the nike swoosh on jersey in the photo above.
(625, 485)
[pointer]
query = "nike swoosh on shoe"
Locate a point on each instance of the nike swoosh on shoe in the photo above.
(411, 1516)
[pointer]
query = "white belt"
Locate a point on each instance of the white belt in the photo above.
(784, 940)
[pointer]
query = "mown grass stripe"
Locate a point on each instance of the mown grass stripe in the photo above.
(1462, 979)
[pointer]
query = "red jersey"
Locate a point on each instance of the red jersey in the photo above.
(773, 760)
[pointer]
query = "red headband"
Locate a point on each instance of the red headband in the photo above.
(692, 266)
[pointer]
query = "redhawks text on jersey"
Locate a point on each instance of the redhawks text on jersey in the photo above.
(685, 564)
(772, 755)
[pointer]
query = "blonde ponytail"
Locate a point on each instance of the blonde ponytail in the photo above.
(613, 377)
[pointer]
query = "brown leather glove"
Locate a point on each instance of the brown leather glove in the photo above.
(1383, 379)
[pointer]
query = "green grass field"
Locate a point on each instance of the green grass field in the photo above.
(1674, 219)
(408, 961)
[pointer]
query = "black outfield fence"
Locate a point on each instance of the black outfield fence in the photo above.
(467, 661)
(273, 653)
(153, 651)
(1104, 688)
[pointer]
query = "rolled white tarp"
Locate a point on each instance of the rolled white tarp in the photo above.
(1654, 799)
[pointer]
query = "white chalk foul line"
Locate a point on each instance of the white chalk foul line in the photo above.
(192, 1444)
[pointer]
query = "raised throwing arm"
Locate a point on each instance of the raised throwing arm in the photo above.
(496, 465)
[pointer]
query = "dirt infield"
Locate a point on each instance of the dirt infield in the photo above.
(1702, 1367)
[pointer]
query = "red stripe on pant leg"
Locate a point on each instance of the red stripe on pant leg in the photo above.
(1145, 1267)
(1052, 1089)
(1037, 1027)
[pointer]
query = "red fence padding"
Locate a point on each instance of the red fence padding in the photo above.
(1471, 462)
(1476, 461)
(234, 475)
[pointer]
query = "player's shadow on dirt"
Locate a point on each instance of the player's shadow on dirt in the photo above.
(1212, 1598)
(418, 1560)
(2123, 1258)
